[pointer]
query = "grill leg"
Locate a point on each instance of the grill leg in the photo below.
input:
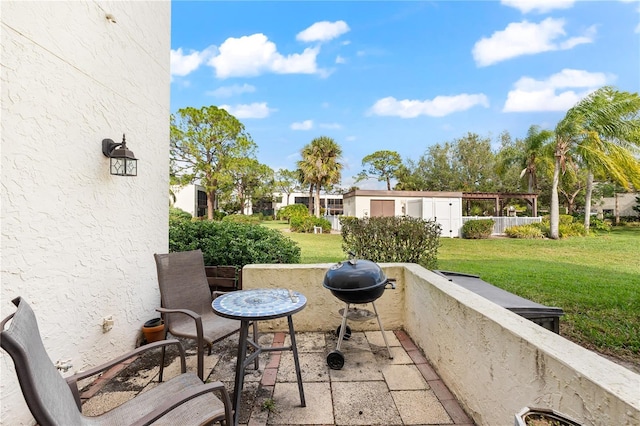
(343, 327)
(384, 336)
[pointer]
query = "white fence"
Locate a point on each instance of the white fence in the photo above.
(335, 222)
(504, 222)
(501, 222)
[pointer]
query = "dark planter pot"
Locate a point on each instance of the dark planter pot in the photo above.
(543, 417)
(153, 330)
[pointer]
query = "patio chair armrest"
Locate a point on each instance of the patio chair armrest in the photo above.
(72, 381)
(178, 399)
(196, 317)
(179, 311)
(217, 293)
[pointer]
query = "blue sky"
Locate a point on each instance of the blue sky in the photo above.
(396, 75)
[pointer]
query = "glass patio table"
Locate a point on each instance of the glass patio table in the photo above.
(259, 305)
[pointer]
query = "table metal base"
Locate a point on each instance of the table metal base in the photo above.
(244, 361)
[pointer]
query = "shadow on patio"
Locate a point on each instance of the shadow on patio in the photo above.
(370, 388)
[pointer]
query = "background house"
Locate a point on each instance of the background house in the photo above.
(192, 199)
(443, 207)
(620, 205)
(77, 242)
(331, 203)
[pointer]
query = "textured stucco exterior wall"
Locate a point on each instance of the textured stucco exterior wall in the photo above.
(494, 361)
(78, 243)
(497, 363)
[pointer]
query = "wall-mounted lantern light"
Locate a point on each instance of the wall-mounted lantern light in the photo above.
(123, 162)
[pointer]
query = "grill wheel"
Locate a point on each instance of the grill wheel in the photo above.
(335, 360)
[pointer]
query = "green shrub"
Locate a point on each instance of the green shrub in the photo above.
(242, 218)
(392, 239)
(293, 210)
(477, 229)
(307, 223)
(599, 225)
(530, 231)
(563, 219)
(178, 214)
(229, 243)
(571, 230)
(566, 228)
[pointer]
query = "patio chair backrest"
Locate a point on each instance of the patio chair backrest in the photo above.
(47, 394)
(183, 282)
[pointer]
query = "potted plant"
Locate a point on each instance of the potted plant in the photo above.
(543, 417)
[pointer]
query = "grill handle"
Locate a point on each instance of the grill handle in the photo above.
(391, 282)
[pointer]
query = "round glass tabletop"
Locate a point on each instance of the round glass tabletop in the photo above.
(259, 303)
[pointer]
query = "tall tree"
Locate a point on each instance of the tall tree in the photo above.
(320, 165)
(203, 141)
(475, 163)
(603, 131)
(287, 182)
(434, 171)
(535, 152)
(382, 165)
(248, 180)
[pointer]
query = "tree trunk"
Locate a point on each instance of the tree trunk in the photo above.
(211, 199)
(617, 210)
(587, 202)
(554, 213)
(317, 201)
(388, 183)
(310, 199)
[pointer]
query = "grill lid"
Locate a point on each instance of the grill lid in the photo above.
(354, 275)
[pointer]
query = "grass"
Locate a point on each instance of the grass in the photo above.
(595, 280)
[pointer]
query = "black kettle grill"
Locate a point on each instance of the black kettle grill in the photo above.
(355, 281)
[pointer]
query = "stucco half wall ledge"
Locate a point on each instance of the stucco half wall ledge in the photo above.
(494, 361)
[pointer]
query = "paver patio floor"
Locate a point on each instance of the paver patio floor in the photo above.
(371, 388)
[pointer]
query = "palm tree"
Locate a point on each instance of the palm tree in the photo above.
(535, 144)
(603, 131)
(320, 165)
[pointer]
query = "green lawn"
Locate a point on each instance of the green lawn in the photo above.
(595, 280)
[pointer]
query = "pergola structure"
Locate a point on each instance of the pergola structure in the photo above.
(501, 199)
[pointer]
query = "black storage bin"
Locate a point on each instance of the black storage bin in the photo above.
(545, 316)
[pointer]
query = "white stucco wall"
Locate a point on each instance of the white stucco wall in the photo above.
(78, 243)
(187, 198)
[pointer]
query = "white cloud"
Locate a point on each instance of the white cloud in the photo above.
(350, 138)
(637, 30)
(229, 91)
(183, 64)
(254, 110)
(438, 107)
(529, 94)
(323, 31)
(525, 38)
(249, 56)
(303, 125)
(540, 6)
(340, 60)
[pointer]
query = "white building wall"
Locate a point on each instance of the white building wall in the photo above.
(78, 243)
(625, 203)
(187, 198)
(291, 198)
